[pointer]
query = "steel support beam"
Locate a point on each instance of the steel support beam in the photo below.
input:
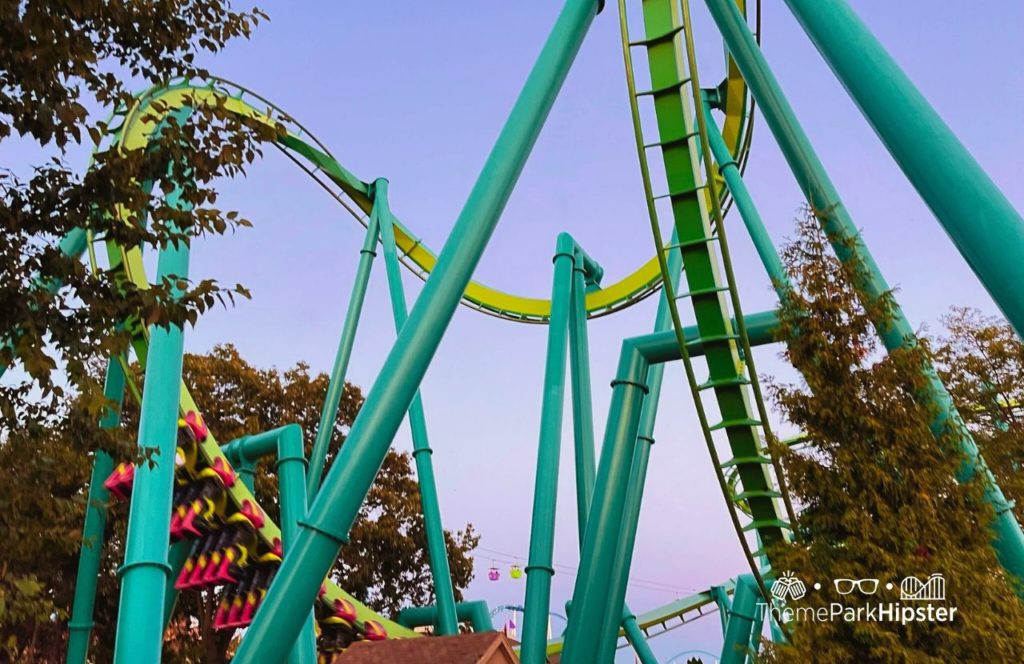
(893, 328)
(145, 572)
(539, 567)
(286, 442)
(336, 387)
(447, 622)
(337, 504)
(637, 480)
(582, 401)
(742, 616)
(81, 624)
(984, 226)
(475, 613)
(592, 600)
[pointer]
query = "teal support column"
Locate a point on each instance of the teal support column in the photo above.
(614, 476)
(756, 627)
(583, 428)
(742, 615)
(475, 613)
(894, 329)
(176, 557)
(637, 480)
(145, 571)
(659, 347)
(337, 503)
(80, 626)
(447, 621)
(582, 402)
(286, 442)
(329, 414)
(291, 477)
(979, 219)
(539, 568)
(748, 212)
(246, 469)
(636, 638)
(721, 597)
(594, 605)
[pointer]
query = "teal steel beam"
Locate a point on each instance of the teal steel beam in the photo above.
(582, 402)
(337, 503)
(145, 571)
(539, 567)
(756, 628)
(583, 426)
(81, 624)
(849, 247)
(742, 615)
(636, 637)
(594, 591)
(748, 212)
(291, 477)
(592, 601)
(770, 259)
(286, 441)
(475, 613)
(246, 469)
(984, 226)
(447, 622)
(176, 557)
(329, 414)
(585, 271)
(660, 347)
(637, 480)
(724, 603)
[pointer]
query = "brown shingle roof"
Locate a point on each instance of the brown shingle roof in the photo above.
(473, 648)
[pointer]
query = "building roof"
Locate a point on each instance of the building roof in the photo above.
(472, 648)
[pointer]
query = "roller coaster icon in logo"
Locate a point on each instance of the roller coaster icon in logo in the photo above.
(914, 589)
(788, 587)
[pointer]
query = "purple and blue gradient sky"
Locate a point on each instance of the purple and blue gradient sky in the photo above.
(418, 91)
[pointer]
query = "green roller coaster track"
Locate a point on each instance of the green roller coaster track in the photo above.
(275, 579)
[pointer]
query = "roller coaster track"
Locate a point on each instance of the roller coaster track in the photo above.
(132, 128)
(668, 617)
(692, 202)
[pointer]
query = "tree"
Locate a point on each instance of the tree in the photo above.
(44, 470)
(877, 489)
(981, 360)
(58, 60)
(384, 564)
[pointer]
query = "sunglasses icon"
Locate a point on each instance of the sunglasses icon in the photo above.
(865, 586)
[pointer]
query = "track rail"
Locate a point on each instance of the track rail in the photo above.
(692, 203)
(666, 618)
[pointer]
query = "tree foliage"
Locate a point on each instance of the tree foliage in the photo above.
(981, 360)
(877, 489)
(60, 61)
(44, 471)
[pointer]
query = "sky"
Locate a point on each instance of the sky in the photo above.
(417, 92)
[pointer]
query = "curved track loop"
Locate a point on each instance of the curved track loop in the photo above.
(355, 194)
